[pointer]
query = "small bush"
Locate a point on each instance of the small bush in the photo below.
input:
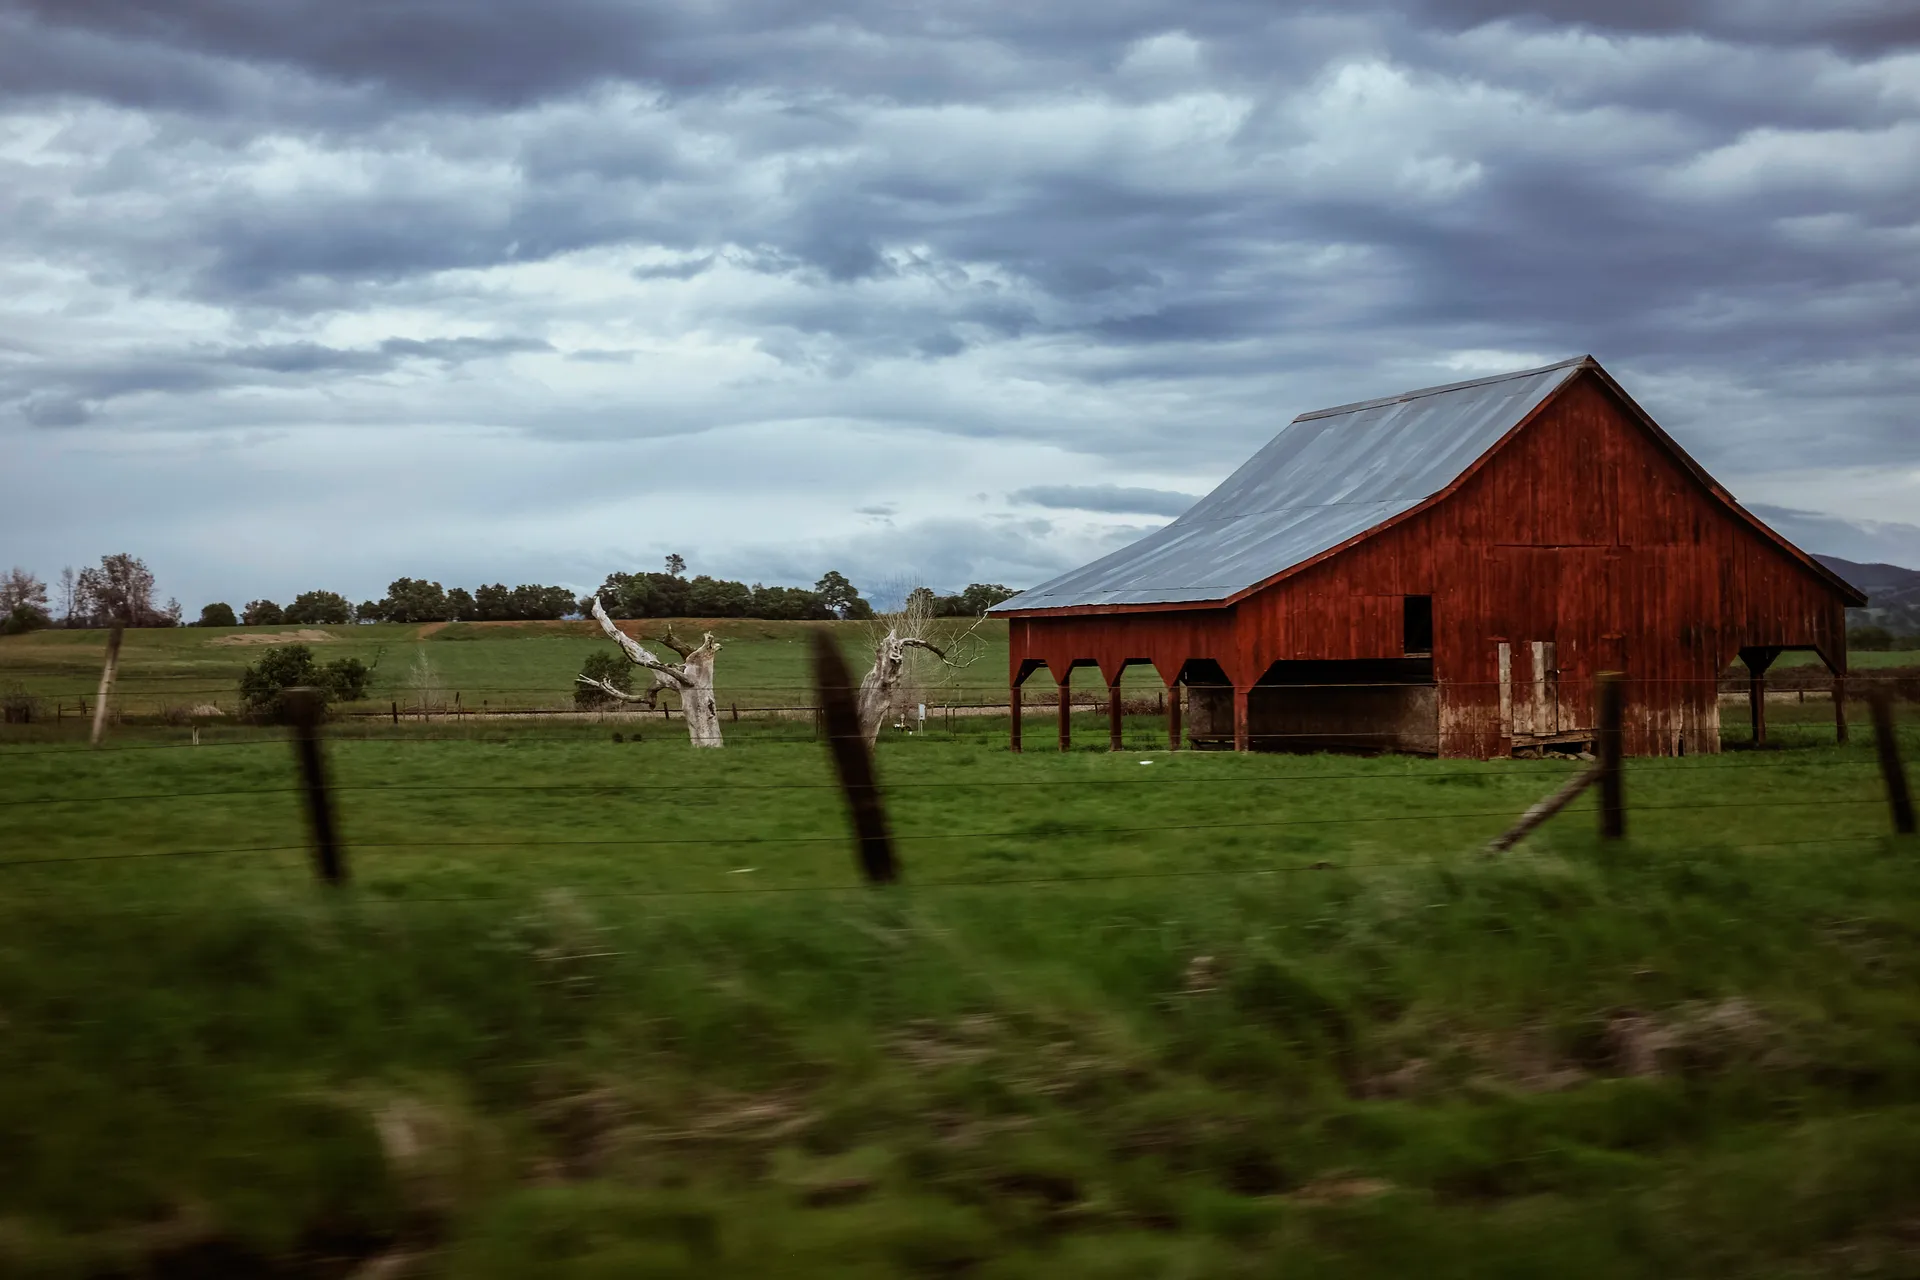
(261, 613)
(17, 706)
(23, 618)
(602, 665)
(291, 666)
(218, 615)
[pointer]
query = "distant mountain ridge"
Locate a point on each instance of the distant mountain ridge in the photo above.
(1893, 594)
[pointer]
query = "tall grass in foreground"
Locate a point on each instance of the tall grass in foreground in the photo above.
(1587, 1062)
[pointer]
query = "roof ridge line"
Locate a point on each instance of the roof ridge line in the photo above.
(1420, 392)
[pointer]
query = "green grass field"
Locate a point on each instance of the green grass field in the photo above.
(595, 1008)
(503, 666)
(492, 666)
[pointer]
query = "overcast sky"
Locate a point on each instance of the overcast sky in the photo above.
(316, 293)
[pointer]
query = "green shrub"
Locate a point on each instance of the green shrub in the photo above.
(23, 618)
(261, 613)
(604, 665)
(218, 615)
(291, 666)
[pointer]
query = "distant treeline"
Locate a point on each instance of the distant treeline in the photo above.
(670, 595)
(121, 589)
(407, 600)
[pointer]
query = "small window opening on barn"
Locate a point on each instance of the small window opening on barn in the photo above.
(1417, 624)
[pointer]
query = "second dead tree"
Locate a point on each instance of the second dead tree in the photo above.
(913, 628)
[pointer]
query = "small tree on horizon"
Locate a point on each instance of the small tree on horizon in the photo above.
(118, 589)
(322, 607)
(217, 615)
(23, 603)
(841, 596)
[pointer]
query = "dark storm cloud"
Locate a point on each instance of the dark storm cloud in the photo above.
(82, 386)
(1105, 497)
(1861, 26)
(510, 53)
(54, 411)
(310, 357)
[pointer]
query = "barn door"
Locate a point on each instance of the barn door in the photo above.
(1529, 690)
(1546, 689)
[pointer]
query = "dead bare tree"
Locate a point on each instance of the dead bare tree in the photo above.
(691, 677)
(891, 682)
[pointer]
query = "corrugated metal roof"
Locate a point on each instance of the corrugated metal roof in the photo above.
(1327, 477)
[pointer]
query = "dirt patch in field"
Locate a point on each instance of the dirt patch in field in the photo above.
(306, 635)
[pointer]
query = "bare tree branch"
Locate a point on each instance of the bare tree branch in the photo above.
(674, 643)
(636, 652)
(650, 697)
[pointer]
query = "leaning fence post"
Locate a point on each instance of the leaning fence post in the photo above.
(1613, 805)
(848, 747)
(1887, 743)
(106, 682)
(305, 709)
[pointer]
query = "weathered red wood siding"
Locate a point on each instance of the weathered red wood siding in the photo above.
(1581, 530)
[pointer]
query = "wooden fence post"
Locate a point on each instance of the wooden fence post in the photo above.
(1887, 743)
(1613, 805)
(106, 682)
(1066, 712)
(396, 713)
(848, 746)
(305, 710)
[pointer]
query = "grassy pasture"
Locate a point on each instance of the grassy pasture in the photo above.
(491, 665)
(612, 1009)
(500, 665)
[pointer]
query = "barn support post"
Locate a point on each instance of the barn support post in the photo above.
(1113, 714)
(1013, 712)
(1758, 660)
(1242, 737)
(1173, 716)
(1840, 707)
(1066, 711)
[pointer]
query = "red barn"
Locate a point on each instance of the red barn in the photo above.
(1445, 572)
